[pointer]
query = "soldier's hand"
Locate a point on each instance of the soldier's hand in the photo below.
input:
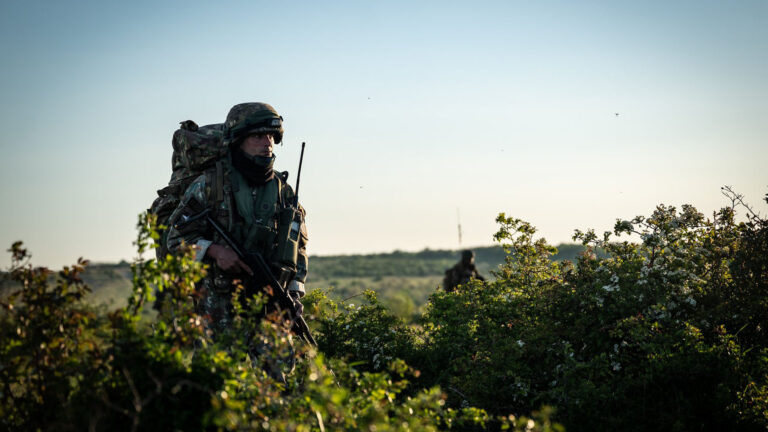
(297, 303)
(227, 259)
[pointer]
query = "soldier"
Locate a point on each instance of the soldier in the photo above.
(462, 272)
(246, 196)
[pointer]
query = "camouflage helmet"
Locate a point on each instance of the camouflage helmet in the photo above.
(252, 117)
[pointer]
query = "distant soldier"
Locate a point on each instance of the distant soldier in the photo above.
(462, 272)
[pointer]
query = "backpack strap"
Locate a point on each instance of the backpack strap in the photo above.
(280, 189)
(218, 184)
(222, 189)
(285, 192)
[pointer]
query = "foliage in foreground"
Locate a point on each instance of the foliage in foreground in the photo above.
(668, 333)
(665, 334)
(67, 366)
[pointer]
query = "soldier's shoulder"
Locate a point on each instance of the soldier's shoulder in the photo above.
(198, 187)
(202, 179)
(198, 182)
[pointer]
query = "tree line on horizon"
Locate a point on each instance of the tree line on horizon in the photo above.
(428, 262)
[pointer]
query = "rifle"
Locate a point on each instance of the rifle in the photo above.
(262, 279)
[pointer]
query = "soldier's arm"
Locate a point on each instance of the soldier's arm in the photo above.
(296, 287)
(476, 274)
(195, 199)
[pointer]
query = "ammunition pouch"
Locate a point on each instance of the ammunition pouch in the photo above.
(259, 238)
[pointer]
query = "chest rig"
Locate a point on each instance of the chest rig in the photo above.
(256, 208)
(259, 218)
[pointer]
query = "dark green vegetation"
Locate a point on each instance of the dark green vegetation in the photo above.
(665, 334)
(66, 364)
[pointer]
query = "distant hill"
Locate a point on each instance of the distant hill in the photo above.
(425, 263)
(110, 283)
(419, 273)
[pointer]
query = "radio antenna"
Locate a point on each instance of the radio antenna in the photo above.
(298, 176)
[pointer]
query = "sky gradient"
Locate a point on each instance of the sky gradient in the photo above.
(409, 110)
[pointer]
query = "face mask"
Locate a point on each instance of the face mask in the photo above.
(257, 170)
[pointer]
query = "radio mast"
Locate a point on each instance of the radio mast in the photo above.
(458, 219)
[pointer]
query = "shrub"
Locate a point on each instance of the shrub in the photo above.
(668, 333)
(66, 366)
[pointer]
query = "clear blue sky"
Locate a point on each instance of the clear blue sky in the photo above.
(410, 110)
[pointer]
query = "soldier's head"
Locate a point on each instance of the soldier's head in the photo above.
(255, 127)
(468, 257)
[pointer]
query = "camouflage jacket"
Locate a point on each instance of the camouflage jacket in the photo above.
(248, 213)
(460, 274)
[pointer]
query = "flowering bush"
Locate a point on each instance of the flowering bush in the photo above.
(668, 333)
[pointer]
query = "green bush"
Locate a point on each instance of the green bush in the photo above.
(67, 366)
(663, 332)
(668, 333)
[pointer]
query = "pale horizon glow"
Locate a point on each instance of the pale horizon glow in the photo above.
(409, 110)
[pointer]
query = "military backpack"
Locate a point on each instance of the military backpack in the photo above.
(195, 150)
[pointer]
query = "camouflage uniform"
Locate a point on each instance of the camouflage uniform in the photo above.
(462, 272)
(249, 213)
